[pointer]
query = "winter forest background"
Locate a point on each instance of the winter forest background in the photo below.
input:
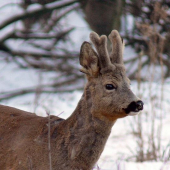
(39, 68)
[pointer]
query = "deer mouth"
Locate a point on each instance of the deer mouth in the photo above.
(134, 107)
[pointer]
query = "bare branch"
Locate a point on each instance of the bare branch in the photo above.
(39, 35)
(12, 94)
(44, 54)
(55, 87)
(55, 19)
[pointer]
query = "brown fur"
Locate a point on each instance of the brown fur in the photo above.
(77, 142)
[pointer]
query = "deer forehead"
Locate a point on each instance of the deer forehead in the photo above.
(114, 72)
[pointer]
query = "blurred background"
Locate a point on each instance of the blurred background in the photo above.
(39, 68)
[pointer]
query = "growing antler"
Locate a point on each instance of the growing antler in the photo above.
(116, 55)
(100, 44)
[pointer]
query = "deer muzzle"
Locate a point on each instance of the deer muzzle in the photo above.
(134, 107)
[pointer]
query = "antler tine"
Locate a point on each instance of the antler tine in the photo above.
(116, 55)
(100, 44)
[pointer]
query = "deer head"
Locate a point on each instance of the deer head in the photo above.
(108, 85)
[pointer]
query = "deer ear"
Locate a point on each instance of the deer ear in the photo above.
(89, 60)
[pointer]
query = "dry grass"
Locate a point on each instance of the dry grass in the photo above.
(155, 43)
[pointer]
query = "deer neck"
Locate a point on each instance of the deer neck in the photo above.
(85, 117)
(88, 133)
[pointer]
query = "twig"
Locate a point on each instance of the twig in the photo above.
(55, 20)
(44, 54)
(39, 35)
(12, 94)
(49, 140)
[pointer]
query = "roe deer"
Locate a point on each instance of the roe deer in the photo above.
(78, 141)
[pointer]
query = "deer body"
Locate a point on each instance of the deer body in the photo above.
(74, 141)
(77, 142)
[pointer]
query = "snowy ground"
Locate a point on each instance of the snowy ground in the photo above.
(122, 144)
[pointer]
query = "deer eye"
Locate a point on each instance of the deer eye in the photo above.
(110, 87)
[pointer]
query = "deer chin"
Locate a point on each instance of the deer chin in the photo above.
(133, 113)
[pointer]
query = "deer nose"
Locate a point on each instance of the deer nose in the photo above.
(139, 105)
(134, 107)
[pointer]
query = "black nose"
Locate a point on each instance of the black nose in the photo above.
(139, 105)
(134, 107)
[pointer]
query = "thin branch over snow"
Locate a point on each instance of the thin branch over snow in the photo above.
(41, 35)
(44, 54)
(12, 94)
(21, 35)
